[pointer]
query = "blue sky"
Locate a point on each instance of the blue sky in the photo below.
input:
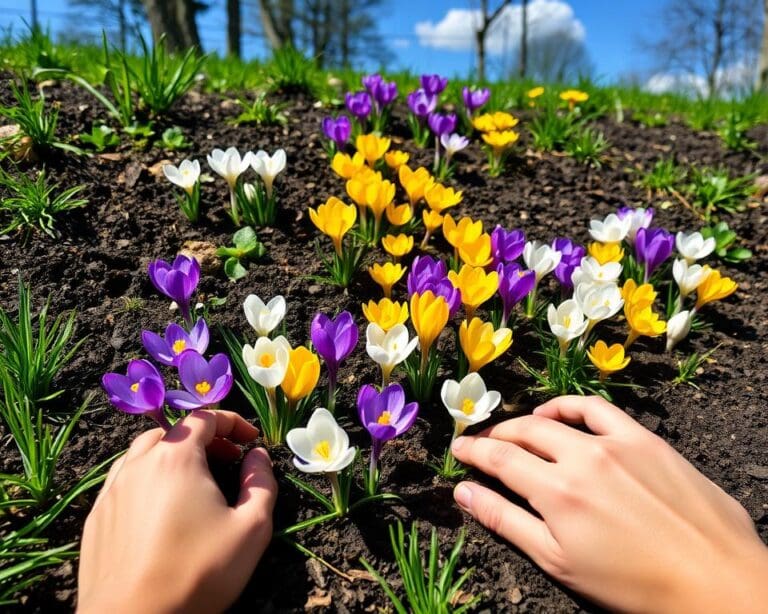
(610, 31)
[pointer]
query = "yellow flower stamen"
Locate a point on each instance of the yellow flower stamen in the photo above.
(203, 387)
(323, 449)
(384, 418)
(179, 346)
(135, 387)
(468, 407)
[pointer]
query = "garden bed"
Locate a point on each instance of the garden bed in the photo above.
(98, 266)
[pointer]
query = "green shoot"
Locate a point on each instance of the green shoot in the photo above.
(260, 112)
(552, 130)
(173, 139)
(34, 350)
(33, 204)
(733, 131)
(688, 368)
(724, 239)
(290, 72)
(664, 177)
(587, 145)
(246, 246)
(34, 121)
(100, 138)
(339, 269)
(430, 590)
(714, 190)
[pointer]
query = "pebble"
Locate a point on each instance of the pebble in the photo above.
(315, 289)
(757, 471)
(516, 596)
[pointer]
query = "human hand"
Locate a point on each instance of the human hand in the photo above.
(625, 520)
(161, 536)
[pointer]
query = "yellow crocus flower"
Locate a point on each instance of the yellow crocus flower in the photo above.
(396, 158)
(386, 275)
(476, 253)
(415, 183)
(643, 322)
(504, 121)
(301, 376)
(535, 92)
(363, 186)
(346, 166)
(334, 218)
(466, 231)
(606, 252)
(372, 146)
(439, 198)
(386, 313)
(481, 344)
(397, 245)
(429, 314)
(573, 96)
(607, 359)
(500, 141)
(637, 297)
(432, 220)
(384, 195)
(475, 285)
(714, 287)
(399, 215)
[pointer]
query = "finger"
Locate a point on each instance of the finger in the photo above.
(546, 438)
(517, 468)
(506, 519)
(600, 416)
(201, 427)
(258, 491)
(114, 470)
(144, 442)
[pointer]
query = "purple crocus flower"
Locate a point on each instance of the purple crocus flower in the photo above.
(382, 92)
(506, 245)
(205, 383)
(429, 274)
(334, 339)
(337, 130)
(433, 84)
(140, 391)
(441, 124)
(358, 104)
(370, 82)
(572, 255)
(421, 104)
(474, 99)
(652, 247)
(168, 350)
(641, 218)
(177, 281)
(515, 283)
(385, 415)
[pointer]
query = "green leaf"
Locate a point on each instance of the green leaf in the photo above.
(234, 269)
(738, 254)
(245, 238)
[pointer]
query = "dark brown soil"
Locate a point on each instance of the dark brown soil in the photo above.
(100, 260)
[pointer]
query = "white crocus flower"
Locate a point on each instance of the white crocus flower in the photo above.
(678, 327)
(267, 360)
(185, 176)
(388, 349)
(693, 246)
(540, 258)
(453, 143)
(264, 318)
(250, 191)
(688, 276)
(268, 167)
(321, 447)
(468, 401)
(590, 271)
(612, 229)
(228, 164)
(639, 218)
(566, 322)
(598, 302)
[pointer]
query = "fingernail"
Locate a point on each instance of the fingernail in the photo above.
(463, 495)
(457, 443)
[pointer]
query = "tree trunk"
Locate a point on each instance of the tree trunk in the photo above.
(233, 28)
(762, 63)
(344, 33)
(524, 39)
(276, 22)
(122, 25)
(176, 20)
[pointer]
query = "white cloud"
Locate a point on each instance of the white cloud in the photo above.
(734, 79)
(546, 19)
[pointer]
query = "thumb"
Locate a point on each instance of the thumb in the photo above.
(258, 491)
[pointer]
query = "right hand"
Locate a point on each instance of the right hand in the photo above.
(624, 519)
